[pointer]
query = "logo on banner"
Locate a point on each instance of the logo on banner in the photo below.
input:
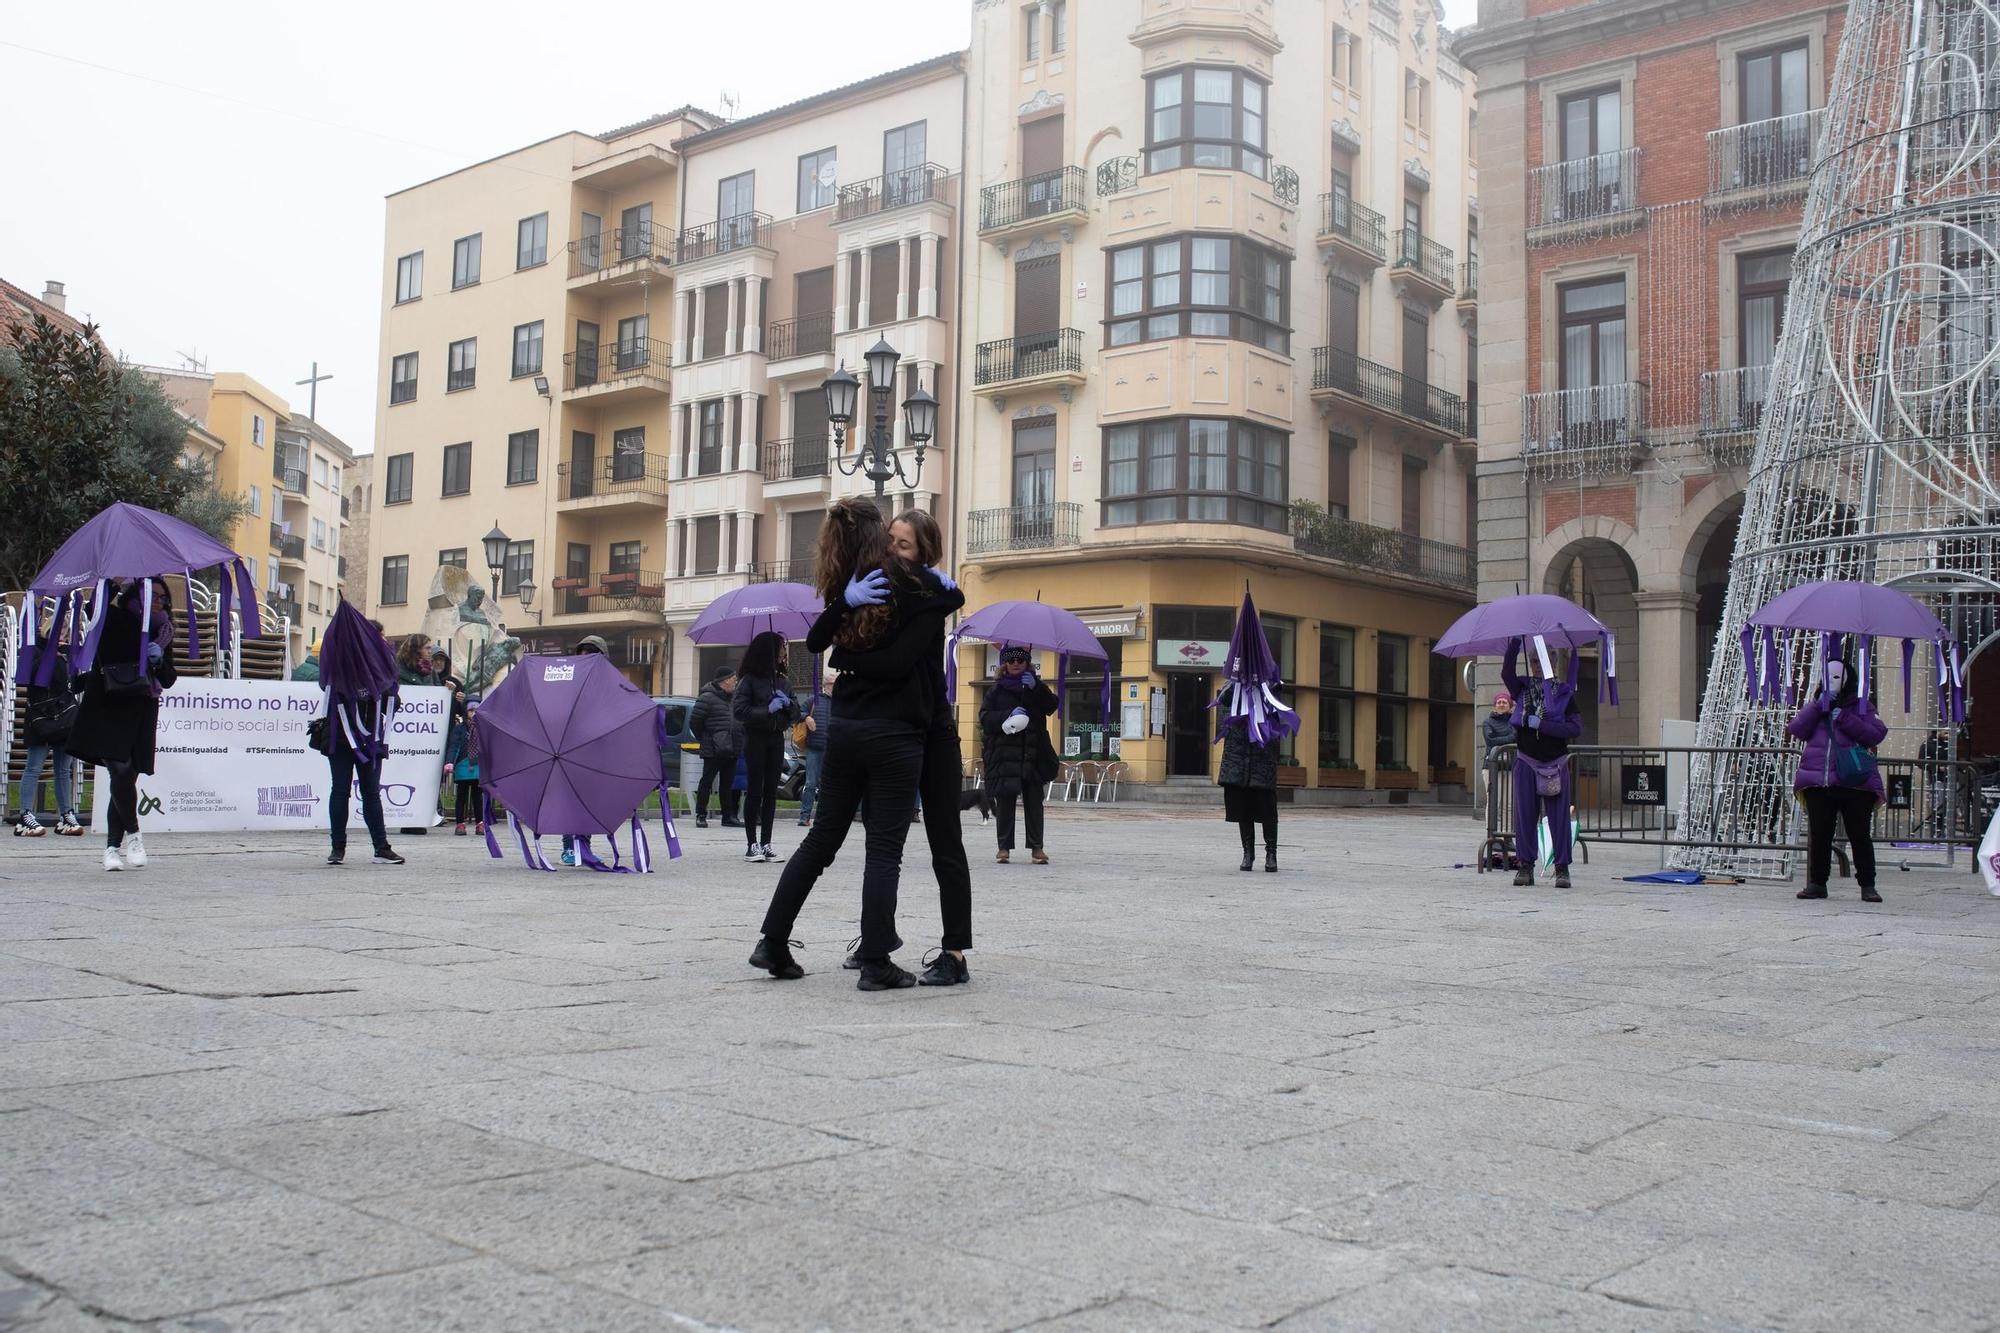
(1645, 784)
(148, 804)
(567, 671)
(297, 801)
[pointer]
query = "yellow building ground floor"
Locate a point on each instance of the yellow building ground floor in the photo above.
(1383, 720)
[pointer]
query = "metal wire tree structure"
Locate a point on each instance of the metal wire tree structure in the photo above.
(1878, 444)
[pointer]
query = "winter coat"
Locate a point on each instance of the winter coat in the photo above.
(822, 716)
(714, 724)
(1551, 702)
(751, 705)
(461, 753)
(120, 728)
(1015, 762)
(47, 705)
(1495, 731)
(1848, 719)
(1247, 764)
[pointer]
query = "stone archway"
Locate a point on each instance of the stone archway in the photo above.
(1592, 567)
(1710, 552)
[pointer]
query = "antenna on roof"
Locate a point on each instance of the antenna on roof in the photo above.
(193, 361)
(730, 101)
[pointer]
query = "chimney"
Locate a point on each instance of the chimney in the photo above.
(53, 296)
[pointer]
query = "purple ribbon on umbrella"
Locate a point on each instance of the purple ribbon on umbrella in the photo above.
(1253, 680)
(1541, 621)
(1864, 612)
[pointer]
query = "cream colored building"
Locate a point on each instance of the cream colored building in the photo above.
(310, 513)
(1217, 333)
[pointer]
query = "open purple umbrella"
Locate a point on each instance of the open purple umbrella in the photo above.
(1867, 611)
(357, 670)
(127, 541)
(1031, 625)
(573, 747)
(1252, 673)
(1542, 620)
(740, 616)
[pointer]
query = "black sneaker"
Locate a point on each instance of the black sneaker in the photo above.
(701, 821)
(336, 858)
(1524, 878)
(883, 974)
(776, 958)
(1868, 895)
(852, 962)
(1562, 877)
(386, 856)
(1811, 891)
(945, 970)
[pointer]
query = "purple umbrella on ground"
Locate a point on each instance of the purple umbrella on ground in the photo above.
(573, 747)
(740, 616)
(1031, 625)
(1866, 610)
(1542, 620)
(1252, 673)
(357, 670)
(127, 541)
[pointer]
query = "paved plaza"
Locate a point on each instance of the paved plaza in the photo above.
(239, 1091)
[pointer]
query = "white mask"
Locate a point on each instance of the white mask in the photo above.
(1836, 677)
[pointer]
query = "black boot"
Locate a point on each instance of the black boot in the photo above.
(1271, 858)
(1249, 852)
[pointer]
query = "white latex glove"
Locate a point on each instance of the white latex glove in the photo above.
(1015, 725)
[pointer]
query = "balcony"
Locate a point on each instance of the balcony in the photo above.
(1031, 203)
(887, 193)
(1117, 175)
(1352, 231)
(615, 372)
(291, 550)
(618, 484)
(1423, 267)
(1468, 281)
(1732, 407)
(345, 504)
(785, 571)
(631, 595)
(1332, 537)
(800, 458)
(745, 231)
(1042, 527)
(277, 533)
(804, 335)
(1580, 432)
(285, 607)
(1032, 361)
(1764, 162)
(1590, 196)
(1390, 393)
(621, 257)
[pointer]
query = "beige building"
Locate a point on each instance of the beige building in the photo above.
(310, 513)
(807, 234)
(1218, 317)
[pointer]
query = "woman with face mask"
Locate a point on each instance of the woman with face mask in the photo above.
(1020, 758)
(1837, 779)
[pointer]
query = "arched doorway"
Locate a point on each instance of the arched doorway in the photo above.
(1711, 590)
(1598, 575)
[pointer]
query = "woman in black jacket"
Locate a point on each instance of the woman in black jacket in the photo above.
(118, 720)
(1020, 758)
(1248, 776)
(764, 707)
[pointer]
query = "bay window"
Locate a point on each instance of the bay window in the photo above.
(1196, 470)
(1200, 117)
(1199, 286)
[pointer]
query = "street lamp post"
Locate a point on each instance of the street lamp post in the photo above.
(496, 543)
(877, 457)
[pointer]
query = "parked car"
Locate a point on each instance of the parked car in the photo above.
(680, 710)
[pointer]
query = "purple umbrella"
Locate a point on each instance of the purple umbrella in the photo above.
(1030, 625)
(357, 670)
(1539, 619)
(740, 616)
(1866, 610)
(572, 747)
(1253, 678)
(126, 541)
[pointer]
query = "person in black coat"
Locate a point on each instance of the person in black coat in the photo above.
(714, 725)
(1248, 776)
(118, 721)
(763, 706)
(1020, 758)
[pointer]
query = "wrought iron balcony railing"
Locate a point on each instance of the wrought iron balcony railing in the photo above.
(1602, 416)
(609, 362)
(1468, 280)
(722, 236)
(608, 249)
(1285, 185)
(635, 475)
(292, 548)
(1766, 158)
(802, 335)
(797, 458)
(1419, 253)
(1011, 203)
(1342, 371)
(893, 190)
(613, 590)
(1586, 195)
(784, 571)
(1023, 528)
(1357, 224)
(1057, 352)
(1335, 538)
(1117, 175)
(1732, 401)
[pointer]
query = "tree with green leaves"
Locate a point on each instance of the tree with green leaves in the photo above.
(79, 432)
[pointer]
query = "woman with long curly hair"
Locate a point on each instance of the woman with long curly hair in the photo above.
(883, 620)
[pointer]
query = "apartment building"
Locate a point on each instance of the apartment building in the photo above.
(807, 234)
(1633, 285)
(1219, 312)
(310, 514)
(526, 392)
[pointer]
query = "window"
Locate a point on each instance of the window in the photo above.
(1593, 333)
(707, 544)
(1346, 57)
(465, 261)
(1339, 473)
(635, 348)
(319, 534)
(1589, 140)
(461, 365)
(624, 558)
(524, 453)
(1205, 118)
(399, 479)
(1590, 124)
(635, 232)
(531, 241)
(319, 469)
(817, 175)
(1058, 27)
(409, 277)
(528, 349)
(403, 378)
(1035, 469)
(628, 453)
(1761, 282)
(709, 452)
(313, 591)
(1196, 470)
(455, 557)
(1392, 715)
(905, 150)
(1199, 286)
(735, 196)
(1416, 100)
(256, 502)
(1031, 22)
(1771, 83)
(395, 580)
(457, 469)
(257, 430)
(518, 569)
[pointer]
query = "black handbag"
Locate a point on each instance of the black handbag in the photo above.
(51, 720)
(319, 735)
(126, 678)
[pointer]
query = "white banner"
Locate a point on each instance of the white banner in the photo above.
(232, 757)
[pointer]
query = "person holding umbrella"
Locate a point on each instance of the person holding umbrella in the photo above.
(1020, 757)
(1546, 720)
(358, 680)
(117, 723)
(1838, 780)
(1255, 722)
(763, 706)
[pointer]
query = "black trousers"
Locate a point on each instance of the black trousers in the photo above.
(878, 760)
(722, 769)
(765, 758)
(1248, 828)
(349, 771)
(943, 779)
(466, 800)
(1032, 792)
(1850, 806)
(122, 815)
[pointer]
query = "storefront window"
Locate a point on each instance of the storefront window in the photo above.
(1336, 730)
(1086, 734)
(1392, 715)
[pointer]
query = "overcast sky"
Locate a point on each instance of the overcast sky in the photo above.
(209, 178)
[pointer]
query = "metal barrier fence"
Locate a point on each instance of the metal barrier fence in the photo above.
(1631, 795)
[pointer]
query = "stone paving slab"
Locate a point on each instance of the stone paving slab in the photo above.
(239, 1091)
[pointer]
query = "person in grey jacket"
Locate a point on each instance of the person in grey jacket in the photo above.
(818, 718)
(714, 724)
(1496, 731)
(1248, 776)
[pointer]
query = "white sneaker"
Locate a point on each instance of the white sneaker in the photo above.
(135, 851)
(770, 855)
(754, 853)
(29, 827)
(112, 860)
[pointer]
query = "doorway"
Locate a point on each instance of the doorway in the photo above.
(1188, 714)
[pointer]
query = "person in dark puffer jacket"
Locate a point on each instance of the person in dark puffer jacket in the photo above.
(1248, 776)
(1020, 758)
